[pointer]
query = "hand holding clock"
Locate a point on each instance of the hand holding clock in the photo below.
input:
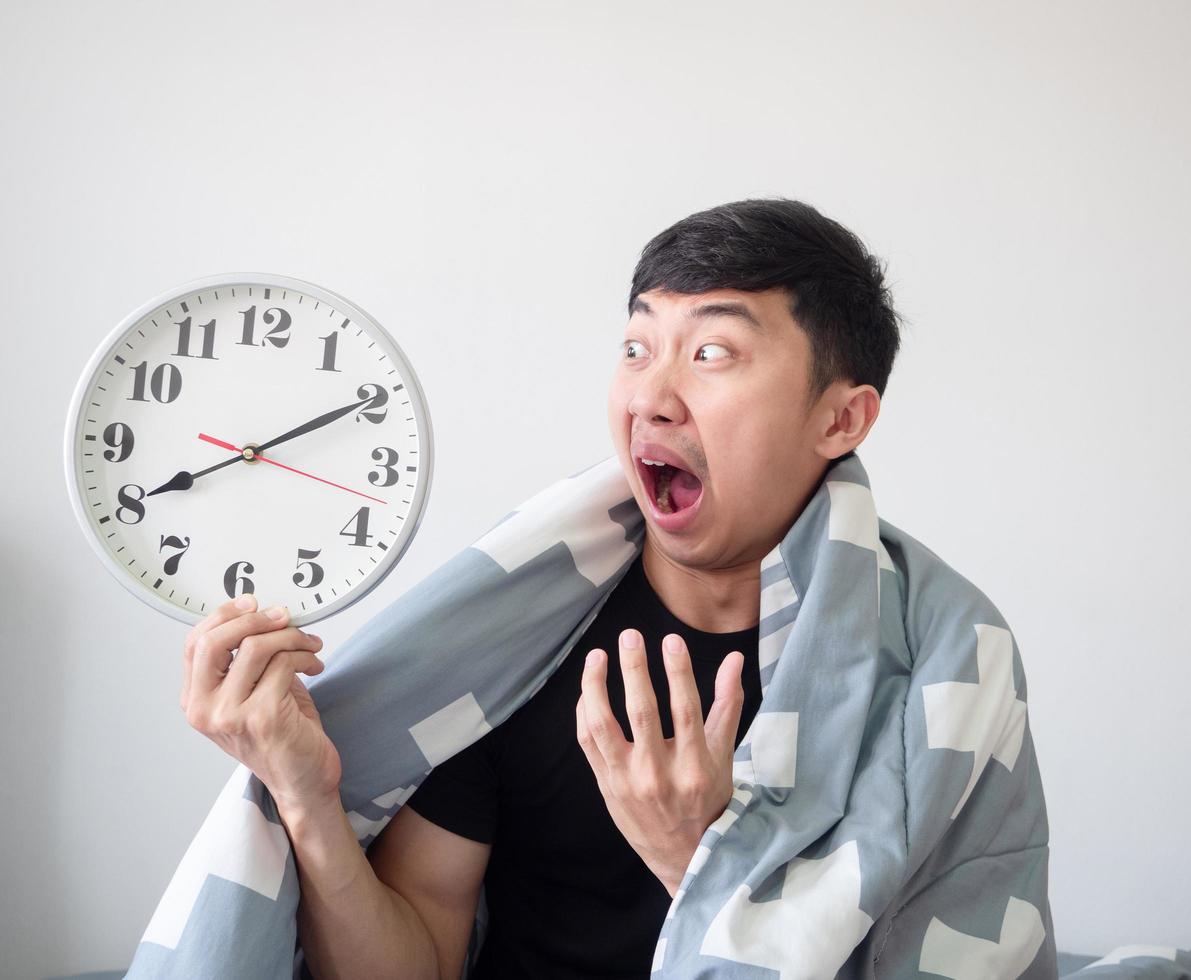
(254, 707)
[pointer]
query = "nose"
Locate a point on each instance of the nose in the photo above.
(656, 397)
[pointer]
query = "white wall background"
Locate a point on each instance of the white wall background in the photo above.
(481, 178)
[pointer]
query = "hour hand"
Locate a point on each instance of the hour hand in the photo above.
(181, 481)
(184, 480)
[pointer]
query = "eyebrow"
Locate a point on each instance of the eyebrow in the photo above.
(724, 308)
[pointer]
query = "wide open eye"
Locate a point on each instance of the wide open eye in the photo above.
(626, 345)
(720, 346)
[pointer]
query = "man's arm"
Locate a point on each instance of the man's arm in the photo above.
(404, 910)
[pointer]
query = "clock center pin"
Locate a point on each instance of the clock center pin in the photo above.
(250, 452)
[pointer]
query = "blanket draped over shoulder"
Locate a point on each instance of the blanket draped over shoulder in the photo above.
(887, 818)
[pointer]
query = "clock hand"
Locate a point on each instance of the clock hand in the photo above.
(183, 480)
(265, 459)
(313, 424)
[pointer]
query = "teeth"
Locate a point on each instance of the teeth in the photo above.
(652, 462)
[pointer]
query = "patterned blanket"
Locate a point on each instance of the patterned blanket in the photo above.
(888, 817)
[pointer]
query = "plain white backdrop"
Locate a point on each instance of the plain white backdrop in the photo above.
(481, 178)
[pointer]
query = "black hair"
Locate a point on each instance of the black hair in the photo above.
(836, 287)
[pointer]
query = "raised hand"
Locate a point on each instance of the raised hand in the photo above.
(662, 794)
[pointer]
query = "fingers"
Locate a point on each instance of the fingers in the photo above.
(587, 743)
(641, 704)
(724, 717)
(686, 708)
(279, 674)
(213, 649)
(257, 652)
(605, 731)
(221, 614)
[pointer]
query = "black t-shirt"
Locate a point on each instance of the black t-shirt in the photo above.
(567, 896)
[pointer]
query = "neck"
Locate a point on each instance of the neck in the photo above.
(714, 600)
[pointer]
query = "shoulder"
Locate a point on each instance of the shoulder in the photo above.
(947, 617)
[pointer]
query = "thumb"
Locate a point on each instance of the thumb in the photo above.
(724, 717)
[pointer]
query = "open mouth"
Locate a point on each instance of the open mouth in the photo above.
(671, 489)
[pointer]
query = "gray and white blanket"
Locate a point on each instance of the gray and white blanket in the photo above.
(887, 819)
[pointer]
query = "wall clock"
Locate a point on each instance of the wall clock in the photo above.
(249, 433)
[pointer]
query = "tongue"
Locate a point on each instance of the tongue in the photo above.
(684, 489)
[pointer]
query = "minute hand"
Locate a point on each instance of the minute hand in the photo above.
(313, 424)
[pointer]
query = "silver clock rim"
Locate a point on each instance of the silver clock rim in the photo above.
(103, 351)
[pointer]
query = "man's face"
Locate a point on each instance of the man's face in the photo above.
(728, 397)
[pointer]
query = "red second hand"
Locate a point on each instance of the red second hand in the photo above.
(228, 445)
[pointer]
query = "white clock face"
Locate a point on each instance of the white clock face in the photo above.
(200, 377)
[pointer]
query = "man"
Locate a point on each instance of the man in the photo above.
(759, 342)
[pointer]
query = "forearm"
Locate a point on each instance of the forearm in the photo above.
(350, 923)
